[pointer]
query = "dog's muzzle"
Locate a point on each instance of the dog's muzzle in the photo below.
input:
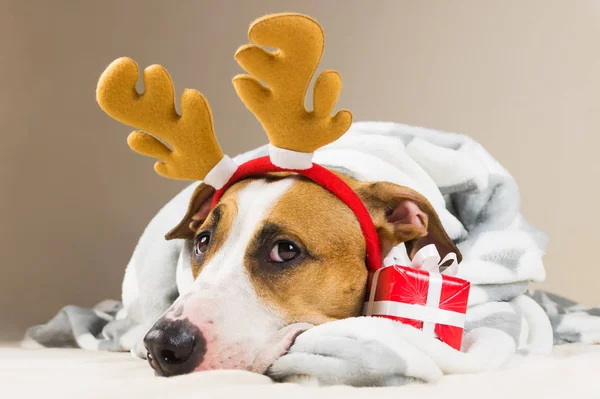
(174, 347)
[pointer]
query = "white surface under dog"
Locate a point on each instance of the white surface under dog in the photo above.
(572, 371)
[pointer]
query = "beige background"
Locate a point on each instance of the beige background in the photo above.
(522, 77)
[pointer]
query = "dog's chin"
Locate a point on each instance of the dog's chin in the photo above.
(277, 346)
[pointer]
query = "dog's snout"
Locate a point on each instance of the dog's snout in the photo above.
(174, 347)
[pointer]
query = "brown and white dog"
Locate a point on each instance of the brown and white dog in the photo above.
(277, 255)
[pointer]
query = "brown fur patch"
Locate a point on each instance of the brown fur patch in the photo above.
(329, 282)
(382, 198)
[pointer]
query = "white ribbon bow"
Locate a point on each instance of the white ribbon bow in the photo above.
(428, 259)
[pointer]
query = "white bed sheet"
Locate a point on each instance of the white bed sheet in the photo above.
(572, 372)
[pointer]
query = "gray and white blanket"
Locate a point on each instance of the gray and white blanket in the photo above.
(478, 203)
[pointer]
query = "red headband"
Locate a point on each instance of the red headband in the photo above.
(328, 181)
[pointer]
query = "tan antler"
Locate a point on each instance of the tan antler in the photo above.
(287, 73)
(194, 148)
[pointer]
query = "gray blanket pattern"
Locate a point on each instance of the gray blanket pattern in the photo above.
(73, 322)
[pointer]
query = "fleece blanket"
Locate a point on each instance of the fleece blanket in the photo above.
(478, 203)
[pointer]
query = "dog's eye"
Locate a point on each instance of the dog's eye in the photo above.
(202, 243)
(283, 251)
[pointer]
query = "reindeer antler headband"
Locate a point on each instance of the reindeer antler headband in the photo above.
(294, 133)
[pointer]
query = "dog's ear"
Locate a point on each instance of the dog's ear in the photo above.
(198, 210)
(403, 215)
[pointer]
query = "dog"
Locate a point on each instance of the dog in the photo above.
(277, 255)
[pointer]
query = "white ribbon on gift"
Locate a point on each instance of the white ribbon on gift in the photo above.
(427, 259)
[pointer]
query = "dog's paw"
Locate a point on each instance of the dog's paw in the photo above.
(353, 351)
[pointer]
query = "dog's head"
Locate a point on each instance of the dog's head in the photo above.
(276, 255)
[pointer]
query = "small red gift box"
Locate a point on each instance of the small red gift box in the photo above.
(421, 296)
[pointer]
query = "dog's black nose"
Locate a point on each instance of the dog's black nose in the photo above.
(174, 347)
